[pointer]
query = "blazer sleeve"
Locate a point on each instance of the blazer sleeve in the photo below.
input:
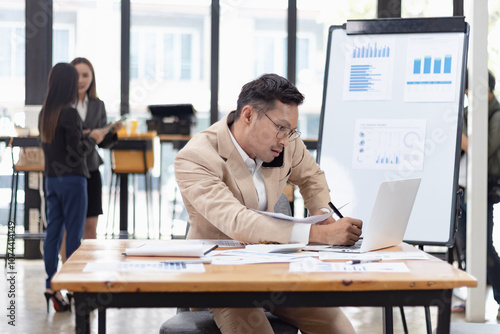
(101, 121)
(309, 177)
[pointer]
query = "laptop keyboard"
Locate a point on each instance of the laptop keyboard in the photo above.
(357, 245)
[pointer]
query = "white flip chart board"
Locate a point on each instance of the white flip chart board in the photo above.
(392, 109)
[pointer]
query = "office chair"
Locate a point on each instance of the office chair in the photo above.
(131, 157)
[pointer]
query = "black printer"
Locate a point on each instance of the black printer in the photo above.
(171, 118)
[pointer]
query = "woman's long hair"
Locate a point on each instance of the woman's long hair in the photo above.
(62, 91)
(92, 91)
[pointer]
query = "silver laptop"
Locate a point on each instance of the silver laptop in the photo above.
(389, 218)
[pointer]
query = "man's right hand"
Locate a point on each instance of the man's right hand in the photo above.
(345, 231)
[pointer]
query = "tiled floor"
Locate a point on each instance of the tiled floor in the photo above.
(32, 317)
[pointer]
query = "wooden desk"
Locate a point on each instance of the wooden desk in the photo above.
(429, 283)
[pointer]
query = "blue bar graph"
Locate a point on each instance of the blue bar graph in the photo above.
(362, 78)
(427, 64)
(370, 51)
(437, 65)
(416, 66)
(447, 64)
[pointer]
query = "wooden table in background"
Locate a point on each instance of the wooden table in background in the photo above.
(429, 283)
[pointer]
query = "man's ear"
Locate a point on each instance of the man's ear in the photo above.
(247, 113)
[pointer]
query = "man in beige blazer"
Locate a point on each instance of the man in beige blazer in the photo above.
(243, 162)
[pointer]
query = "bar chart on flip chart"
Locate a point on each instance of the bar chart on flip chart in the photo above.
(431, 68)
(369, 72)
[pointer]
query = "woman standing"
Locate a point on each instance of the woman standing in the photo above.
(65, 147)
(93, 114)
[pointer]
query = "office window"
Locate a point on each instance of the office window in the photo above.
(493, 42)
(270, 53)
(313, 21)
(253, 41)
(12, 55)
(426, 8)
(63, 41)
(163, 55)
(91, 29)
(170, 55)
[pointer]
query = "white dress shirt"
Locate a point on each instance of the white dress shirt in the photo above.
(82, 106)
(300, 232)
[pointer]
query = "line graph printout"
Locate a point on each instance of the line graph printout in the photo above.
(431, 68)
(369, 67)
(389, 144)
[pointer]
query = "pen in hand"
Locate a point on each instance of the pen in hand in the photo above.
(337, 212)
(363, 261)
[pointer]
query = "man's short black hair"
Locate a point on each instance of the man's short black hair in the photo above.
(491, 80)
(265, 90)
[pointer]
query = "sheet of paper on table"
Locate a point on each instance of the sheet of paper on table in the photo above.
(308, 220)
(143, 266)
(371, 255)
(241, 256)
(317, 267)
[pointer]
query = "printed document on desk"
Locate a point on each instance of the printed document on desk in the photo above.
(325, 267)
(170, 249)
(242, 256)
(369, 255)
(308, 220)
(142, 266)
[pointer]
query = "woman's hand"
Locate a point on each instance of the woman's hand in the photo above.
(99, 134)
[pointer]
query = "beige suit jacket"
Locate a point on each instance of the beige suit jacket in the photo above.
(218, 190)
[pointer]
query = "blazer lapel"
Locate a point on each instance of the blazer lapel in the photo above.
(239, 170)
(90, 113)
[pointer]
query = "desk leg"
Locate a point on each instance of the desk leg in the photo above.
(159, 191)
(124, 206)
(82, 316)
(444, 313)
(102, 321)
(388, 320)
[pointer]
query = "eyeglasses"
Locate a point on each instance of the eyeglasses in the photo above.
(283, 131)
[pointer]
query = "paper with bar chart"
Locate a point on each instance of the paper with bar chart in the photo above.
(389, 144)
(431, 69)
(370, 62)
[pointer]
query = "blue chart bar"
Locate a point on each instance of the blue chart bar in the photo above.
(371, 51)
(447, 64)
(416, 66)
(437, 65)
(361, 78)
(427, 65)
(428, 61)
